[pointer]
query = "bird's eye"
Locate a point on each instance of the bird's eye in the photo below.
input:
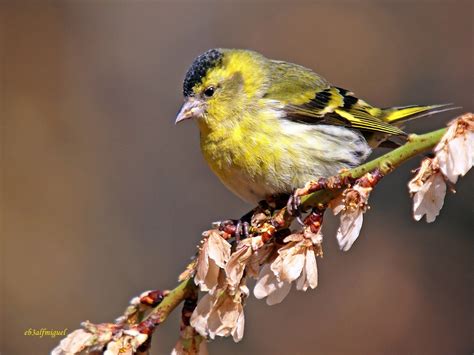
(209, 91)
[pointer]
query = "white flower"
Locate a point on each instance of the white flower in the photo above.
(200, 316)
(309, 273)
(291, 259)
(220, 314)
(214, 254)
(351, 205)
(455, 151)
(74, 343)
(235, 268)
(268, 286)
(296, 260)
(260, 256)
(428, 190)
(117, 347)
(243, 259)
(127, 342)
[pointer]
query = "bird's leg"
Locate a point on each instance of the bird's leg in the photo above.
(293, 206)
(294, 202)
(235, 227)
(332, 183)
(239, 228)
(242, 230)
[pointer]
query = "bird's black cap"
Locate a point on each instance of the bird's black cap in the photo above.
(199, 68)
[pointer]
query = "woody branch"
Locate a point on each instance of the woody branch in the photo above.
(273, 253)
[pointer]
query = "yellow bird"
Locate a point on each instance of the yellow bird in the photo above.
(267, 127)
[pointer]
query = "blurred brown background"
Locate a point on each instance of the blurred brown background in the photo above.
(104, 197)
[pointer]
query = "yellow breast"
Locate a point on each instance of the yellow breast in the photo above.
(260, 155)
(246, 155)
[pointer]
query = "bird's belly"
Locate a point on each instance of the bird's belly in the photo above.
(246, 179)
(247, 187)
(256, 171)
(254, 187)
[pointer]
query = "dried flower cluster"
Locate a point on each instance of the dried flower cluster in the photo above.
(220, 311)
(351, 206)
(275, 262)
(124, 336)
(97, 337)
(454, 157)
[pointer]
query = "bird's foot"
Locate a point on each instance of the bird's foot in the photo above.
(237, 228)
(240, 228)
(294, 202)
(293, 206)
(332, 183)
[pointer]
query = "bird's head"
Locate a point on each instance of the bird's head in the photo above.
(221, 83)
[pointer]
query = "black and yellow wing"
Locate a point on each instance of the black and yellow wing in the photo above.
(337, 106)
(309, 98)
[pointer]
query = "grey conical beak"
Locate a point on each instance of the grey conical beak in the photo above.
(190, 109)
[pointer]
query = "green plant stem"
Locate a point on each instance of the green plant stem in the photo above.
(170, 302)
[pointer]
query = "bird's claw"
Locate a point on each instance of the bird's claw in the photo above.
(241, 230)
(237, 228)
(293, 206)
